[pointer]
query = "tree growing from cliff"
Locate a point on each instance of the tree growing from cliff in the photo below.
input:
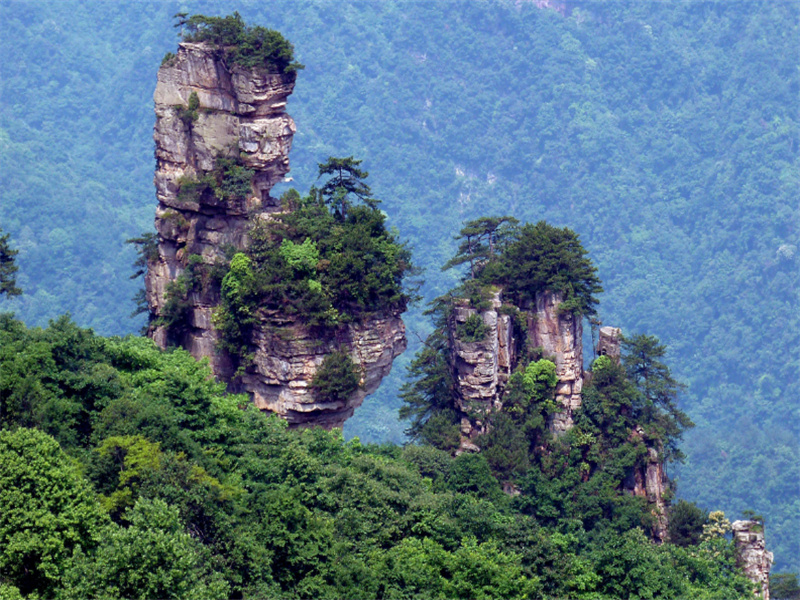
(481, 240)
(240, 43)
(658, 392)
(345, 181)
(8, 269)
(542, 257)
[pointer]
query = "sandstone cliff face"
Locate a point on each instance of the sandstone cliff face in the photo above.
(649, 481)
(559, 335)
(610, 342)
(285, 364)
(752, 555)
(241, 114)
(481, 369)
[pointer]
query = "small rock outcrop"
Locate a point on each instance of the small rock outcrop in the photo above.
(752, 555)
(649, 480)
(207, 111)
(285, 364)
(481, 368)
(609, 343)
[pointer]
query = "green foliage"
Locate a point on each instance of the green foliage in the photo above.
(8, 280)
(212, 499)
(318, 266)
(539, 380)
(147, 251)
(472, 330)
(48, 511)
(177, 307)
(241, 44)
(686, 521)
(528, 260)
(188, 114)
(345, 180)
(656, 408)
(169, 59)
(784, 586)
(336, 378)
(624, 146)
(639, 129)
(506, 447)
(229, 182)
(133, 456)
(482, 239)
(303, 258)
(542, 257)
(152, 558)
(427, 396)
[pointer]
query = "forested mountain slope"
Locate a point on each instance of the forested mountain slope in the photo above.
(665, 134)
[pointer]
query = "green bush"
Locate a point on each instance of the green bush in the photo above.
(336, 379)
(229, 181)
(472, 330)
(188, 114)
(686, 521)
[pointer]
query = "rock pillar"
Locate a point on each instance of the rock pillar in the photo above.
(481, 368)
(560, 335)
(241, 114)
(752, 555)
(610, 342)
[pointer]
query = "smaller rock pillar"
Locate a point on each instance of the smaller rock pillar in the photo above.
(752, 555)
(609, 343)
(481, 368)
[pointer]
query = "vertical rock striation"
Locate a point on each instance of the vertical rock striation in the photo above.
(648, 480)
(560, 335)
(206, 111)
(481, 369)
(752, 555)
(241, 113)
(609, 343)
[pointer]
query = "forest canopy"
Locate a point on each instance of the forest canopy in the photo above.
(160, 484)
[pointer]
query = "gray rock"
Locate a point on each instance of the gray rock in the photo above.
(243, 112)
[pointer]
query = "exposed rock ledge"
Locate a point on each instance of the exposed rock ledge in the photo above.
(242, 112)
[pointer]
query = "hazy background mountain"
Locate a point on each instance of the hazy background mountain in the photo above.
(665, 134)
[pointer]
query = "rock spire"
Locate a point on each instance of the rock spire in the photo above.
(207, 113)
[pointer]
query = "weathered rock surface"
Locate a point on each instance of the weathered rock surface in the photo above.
(242, 112)
(481, 369)
(649, 481)
(752, 555)
(285, 364)
(610, 342)
(560, 335)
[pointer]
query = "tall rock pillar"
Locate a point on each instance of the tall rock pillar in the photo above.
(481, 368)
(560, 335)
(207, 111)
(239, 114)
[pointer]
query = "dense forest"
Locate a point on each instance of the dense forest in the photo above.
(126, 471)
(665, 134)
